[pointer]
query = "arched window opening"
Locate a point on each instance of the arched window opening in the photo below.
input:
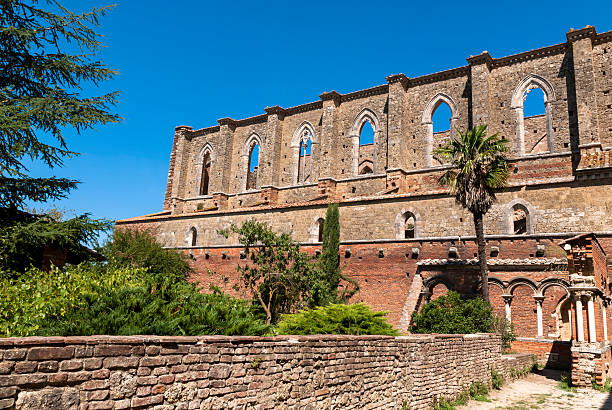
(531, 102)
(253, 166)
(366, 149)
(534, 120)
(305, 159)
(205, 174)
(441, 119)
(409, 224)
(192, 237)
(519, 218)
(320, 225)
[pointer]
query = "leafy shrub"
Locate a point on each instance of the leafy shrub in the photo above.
(140, 249)
(30, 299)
(497, 380)
(357, 319)
(180, 310)
(452, 315)
(141, 290)
(505, 328)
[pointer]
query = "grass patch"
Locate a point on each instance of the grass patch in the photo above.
(566, 383)
(481, 397)
(606, 388)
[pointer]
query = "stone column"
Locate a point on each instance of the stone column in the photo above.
(507, 301)
(539, 300)
(591, 319)
(579, 324)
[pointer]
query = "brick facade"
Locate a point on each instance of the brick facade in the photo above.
(560, 186)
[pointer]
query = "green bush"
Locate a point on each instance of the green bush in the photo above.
(357, 319)
(142, 289)
(32, 298)
(140, 249)
(497, 380)
(451, 314)
(505, 328)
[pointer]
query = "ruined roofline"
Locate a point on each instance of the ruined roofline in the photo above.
(407, 82)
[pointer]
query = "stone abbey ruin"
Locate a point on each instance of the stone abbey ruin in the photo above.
(549, 235)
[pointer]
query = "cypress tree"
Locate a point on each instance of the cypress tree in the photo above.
(330, 258)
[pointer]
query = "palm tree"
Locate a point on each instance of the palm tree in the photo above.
(479, 166)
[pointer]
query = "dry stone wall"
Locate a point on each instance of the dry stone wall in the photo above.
(104, 372)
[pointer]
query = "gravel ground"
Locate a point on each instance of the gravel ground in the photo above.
(541, 391)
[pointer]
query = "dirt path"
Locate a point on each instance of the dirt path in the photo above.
(541, 391)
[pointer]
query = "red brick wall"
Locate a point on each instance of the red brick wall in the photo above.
(328, 371)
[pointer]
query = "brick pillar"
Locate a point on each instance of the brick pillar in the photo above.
(273, 144)
(226, 130)
(330, 140)
(395, 115)
(581, 43)
(480, 68)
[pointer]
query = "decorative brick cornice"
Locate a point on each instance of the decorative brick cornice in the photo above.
(331, 96)
(230, 122)
(586, 32)
(182, 129)
(205, 131)
(368, 92)
(315, 105)
(275, 110)
(482, 58)
(440, 76)
(398, 78)
(257, 119)
(603, 38)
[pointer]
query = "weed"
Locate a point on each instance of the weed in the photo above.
(565, 383)
(497, 380)
(255, 362)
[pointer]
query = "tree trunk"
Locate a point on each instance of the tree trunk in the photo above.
(482, 255)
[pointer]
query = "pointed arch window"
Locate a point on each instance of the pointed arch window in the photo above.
(365, 133)
(320, 226)
(534, 132)
(440, 121)
(366, 149)
(519, 218)
(251, 156)
(205, 178)
(191, 238)
(406, 225)
(304, 144)
(305, 160)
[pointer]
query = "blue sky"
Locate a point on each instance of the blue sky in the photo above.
(192, 62)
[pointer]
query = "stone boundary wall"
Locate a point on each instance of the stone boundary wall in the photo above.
(330, 371)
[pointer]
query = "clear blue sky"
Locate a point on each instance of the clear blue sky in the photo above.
(191, 62)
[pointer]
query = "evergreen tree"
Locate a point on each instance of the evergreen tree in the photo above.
(329, 262)
(46, 60)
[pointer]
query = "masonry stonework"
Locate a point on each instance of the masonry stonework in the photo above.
(352, 372)
(560, 189)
